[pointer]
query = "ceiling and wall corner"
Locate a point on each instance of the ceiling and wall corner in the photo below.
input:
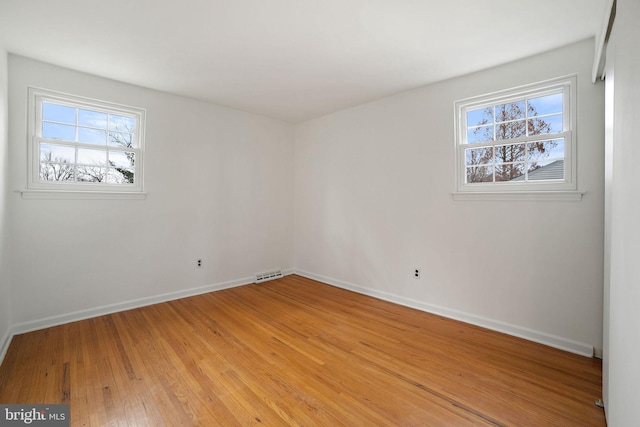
(288, 59)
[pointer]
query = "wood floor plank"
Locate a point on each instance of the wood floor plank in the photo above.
(296, 352)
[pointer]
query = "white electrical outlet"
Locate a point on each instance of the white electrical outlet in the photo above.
(416, 273)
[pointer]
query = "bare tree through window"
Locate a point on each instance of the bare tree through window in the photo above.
(505, 162)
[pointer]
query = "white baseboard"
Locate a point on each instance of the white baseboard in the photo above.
(495, 325)
(75, 316)
(518, 331)
(4, 344)
(48, 322)
(288, 271)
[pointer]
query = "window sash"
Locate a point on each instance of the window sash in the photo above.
(76, 163)
(564, 85)
(519, 140)
(115, 182)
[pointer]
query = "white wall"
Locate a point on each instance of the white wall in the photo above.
(219, 185)
(373, 201)
(622, 378)
(5, 289)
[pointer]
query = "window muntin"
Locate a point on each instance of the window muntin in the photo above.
(82, 144)
(517, 140)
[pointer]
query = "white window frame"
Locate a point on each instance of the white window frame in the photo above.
(552, 189)
(37, 188)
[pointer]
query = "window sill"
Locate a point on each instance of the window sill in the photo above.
(78, 195)
(547, 196)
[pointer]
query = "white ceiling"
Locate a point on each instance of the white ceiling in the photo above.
(289, 59)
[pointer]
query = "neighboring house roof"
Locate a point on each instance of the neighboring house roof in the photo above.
(554, 170)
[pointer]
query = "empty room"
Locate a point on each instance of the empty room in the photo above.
(326, 213)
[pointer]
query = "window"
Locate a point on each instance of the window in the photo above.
(83, 145)
(520, 140)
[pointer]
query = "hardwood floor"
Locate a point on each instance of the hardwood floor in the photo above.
(296, 352)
